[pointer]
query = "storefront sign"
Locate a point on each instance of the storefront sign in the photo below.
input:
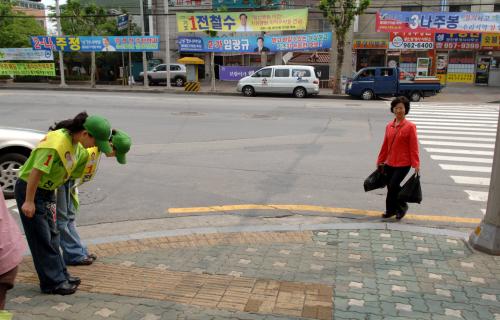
(370, 44)
(97, 44)
(235, 73)
(458, 40)
(8, 54)
(412, 40)
(28, 69)
(460, 77)
(298, 42)
(442, 67)
(490, 41)
(242, 21)
(392, 21)
(189, 4)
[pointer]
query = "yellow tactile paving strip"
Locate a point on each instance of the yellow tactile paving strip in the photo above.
(262, 296)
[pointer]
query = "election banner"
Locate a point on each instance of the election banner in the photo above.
(235, 73)
(393, 21)
(28, 69)
(97, 43)
(9, 54)
(458, 40)
(298, 42)
(490, 41)
(247, 4)
(251, 21)
(411, 40)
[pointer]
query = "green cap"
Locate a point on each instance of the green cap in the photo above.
(100, 129)
(121, 143)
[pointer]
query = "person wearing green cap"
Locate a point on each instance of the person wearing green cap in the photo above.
(48, 167)
(74, 251)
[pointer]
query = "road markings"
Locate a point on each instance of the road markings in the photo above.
(416, 119)
(315, 209)
(471, 180)
(480, 139)
(457, 144)
(458, 128)
(477, 195)
(460, 151)
(448, 124)
(454, 167)
(461, 159)
(491, 134)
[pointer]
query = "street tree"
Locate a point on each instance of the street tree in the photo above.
(16, 28)
(212, 34)
(341, 14)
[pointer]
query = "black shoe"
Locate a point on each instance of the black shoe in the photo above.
(74, 280)
(388, 215)
(84, 262)
(63, 289)
(402, 213)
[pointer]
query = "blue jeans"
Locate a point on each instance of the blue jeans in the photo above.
(72, 247)
(43, 237)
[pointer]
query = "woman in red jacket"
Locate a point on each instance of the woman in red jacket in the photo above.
(398, 154)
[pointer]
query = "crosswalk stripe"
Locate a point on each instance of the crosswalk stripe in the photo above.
(461, 159)
(471, 180)
(452, 120)
(459, 151)
(477, 195)
(446, 124)
(480, 139)
(450, 128)
(492, 116)
(460, 133)
(432, 116)
(457, 144)
(454, 167)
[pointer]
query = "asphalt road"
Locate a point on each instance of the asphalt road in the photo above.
(198, 151)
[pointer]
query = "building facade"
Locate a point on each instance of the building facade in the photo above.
(32, 8)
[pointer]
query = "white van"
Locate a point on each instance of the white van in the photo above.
(300, 81)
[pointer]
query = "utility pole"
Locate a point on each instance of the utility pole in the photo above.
(61, 56)
(144, 59)
(486, 236)
(167, 42)
(130, 79)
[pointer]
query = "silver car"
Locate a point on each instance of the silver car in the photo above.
(158, 74)
(300, 81)
(15, 147)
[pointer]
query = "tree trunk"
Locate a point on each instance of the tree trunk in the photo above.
(92, 70)
(263, 59)
(340, 63)
(212, 70)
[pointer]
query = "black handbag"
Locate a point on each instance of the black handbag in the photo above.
(376, 180)
(411, 191)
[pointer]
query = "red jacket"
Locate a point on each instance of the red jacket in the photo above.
(400, 147)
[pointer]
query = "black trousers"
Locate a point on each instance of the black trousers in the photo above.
(43, 237)
(395, 175)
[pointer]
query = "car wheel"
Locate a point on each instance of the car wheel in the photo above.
(9, 168)
(415, 96)
(300, 92)
(179, 82)
(367, 95)
(248, 91)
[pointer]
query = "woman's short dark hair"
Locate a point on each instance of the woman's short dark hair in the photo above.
(398, 100)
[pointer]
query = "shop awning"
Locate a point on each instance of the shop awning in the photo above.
(190, 60)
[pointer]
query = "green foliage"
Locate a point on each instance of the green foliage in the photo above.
(341, 13)
(16, 29)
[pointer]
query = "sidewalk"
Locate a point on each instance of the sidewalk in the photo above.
(336, 270)
(452, 93)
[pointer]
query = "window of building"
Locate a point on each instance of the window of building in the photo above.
(282, 73)
(411, 8)
(460, 8)
(496, 8)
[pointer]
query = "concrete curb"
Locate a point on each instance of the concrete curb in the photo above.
(278, 228)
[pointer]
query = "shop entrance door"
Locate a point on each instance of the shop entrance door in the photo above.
(483, 70)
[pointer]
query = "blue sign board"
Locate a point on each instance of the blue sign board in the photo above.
(122, 22)
(97, 44)
(297, 42)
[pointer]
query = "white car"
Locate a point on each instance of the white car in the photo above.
(158, 74)
(300, 81)
(15, 148)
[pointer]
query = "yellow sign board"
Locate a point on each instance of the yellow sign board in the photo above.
(250, 21)
(461, 77)
(28, 69)
(490, 41)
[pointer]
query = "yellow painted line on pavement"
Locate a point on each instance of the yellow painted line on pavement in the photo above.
(318, 209)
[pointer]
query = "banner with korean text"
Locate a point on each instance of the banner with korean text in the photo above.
(297, 42)
(9, 54)
(458, 40)
(490, 41)
(251, 21)
(235, 73)
(370, 44)
(28, 69)
(97, 43)
(411, 40)
(393, 21)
